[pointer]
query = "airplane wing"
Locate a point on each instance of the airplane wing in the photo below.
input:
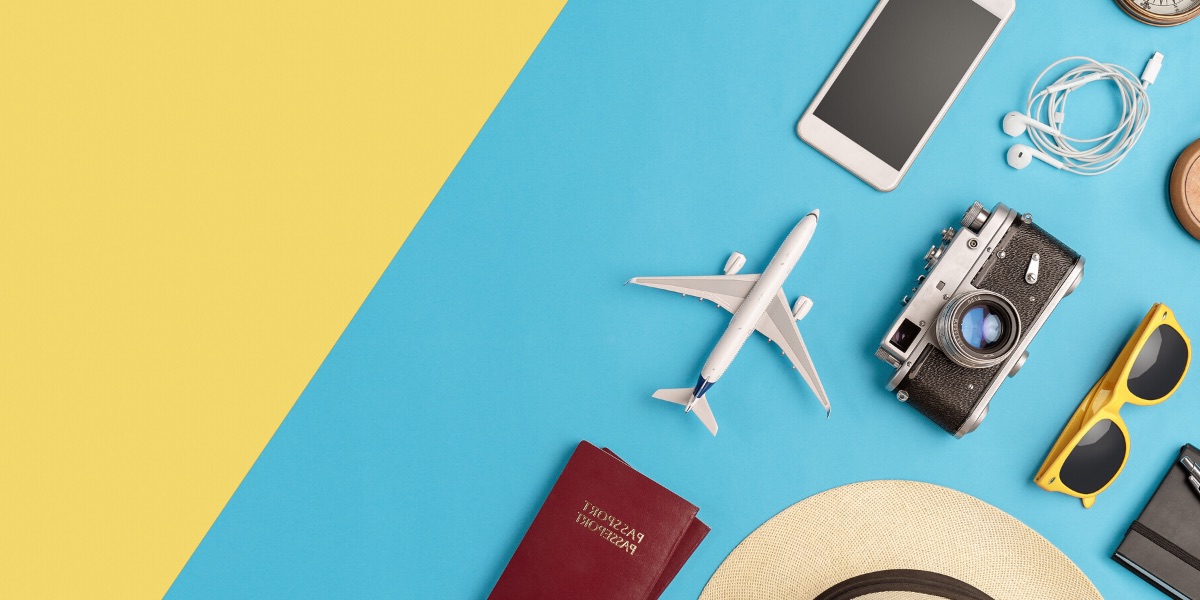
(780, 327)
(727, 291)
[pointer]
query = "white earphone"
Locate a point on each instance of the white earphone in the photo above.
(1051, 146)
(1015, 124)
(1020, 155)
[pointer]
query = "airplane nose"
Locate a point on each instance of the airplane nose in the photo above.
(816, 213)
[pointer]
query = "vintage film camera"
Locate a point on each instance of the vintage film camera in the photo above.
(985, 293)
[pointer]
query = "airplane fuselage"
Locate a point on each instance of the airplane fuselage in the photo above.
(742, 326)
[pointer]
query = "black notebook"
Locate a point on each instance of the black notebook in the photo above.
(1163, 545)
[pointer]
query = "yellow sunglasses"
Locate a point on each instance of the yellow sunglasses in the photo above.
(1093, 447)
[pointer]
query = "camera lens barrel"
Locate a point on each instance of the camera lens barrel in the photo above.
(978, 329)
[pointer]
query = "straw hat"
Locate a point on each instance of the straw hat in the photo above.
(873, 538)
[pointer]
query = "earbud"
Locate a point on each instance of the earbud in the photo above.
(1016, 123)
(1020, 155)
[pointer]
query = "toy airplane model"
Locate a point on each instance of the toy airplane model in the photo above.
(758, 304)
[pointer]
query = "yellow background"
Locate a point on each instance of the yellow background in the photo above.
(196, 199)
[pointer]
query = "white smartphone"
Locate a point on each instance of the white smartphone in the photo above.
(896, 81)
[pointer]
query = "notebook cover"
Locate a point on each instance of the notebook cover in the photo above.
(605, 531)
(1163, 545)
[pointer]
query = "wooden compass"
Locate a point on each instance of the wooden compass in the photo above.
(1185, 189)
(1161, 13)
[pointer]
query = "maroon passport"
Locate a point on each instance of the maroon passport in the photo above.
(605, 531)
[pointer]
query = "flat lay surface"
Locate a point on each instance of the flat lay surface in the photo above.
(196, 199)
(654, 139)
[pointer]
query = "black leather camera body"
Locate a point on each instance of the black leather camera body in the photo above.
(985, 293)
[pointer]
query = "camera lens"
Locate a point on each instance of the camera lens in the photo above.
(981, 326)
(978, 329)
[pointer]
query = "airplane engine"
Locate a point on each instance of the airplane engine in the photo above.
(734, 264)
(803, 305)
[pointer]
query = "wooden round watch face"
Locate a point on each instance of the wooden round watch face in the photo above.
(1185, 189)
(1162, 13)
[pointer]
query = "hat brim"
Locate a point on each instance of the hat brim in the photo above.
(881, 525)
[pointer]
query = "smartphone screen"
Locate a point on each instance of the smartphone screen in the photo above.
(903, 72)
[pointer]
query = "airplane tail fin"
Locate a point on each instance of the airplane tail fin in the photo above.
(683, 396)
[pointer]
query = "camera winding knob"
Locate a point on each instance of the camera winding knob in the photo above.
(975, 218)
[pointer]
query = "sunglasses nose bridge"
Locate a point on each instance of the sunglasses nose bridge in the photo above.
(1101, 398)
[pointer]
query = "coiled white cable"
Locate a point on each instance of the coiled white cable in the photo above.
(1090, 156)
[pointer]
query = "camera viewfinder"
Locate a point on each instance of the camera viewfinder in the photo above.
(904, 336)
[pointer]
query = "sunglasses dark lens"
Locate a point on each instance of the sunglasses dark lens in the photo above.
(1096, 460)
(1160, 364)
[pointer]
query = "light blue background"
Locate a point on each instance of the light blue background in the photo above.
(653, 138)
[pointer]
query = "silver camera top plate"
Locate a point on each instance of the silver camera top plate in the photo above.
(956, 261)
